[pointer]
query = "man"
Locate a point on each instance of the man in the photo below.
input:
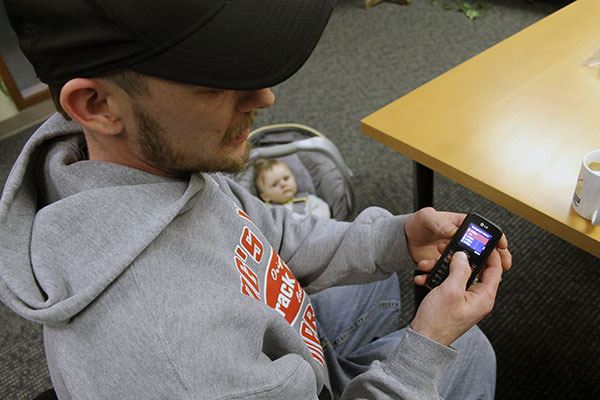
(157, 277)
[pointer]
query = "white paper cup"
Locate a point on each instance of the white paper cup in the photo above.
(586, 199)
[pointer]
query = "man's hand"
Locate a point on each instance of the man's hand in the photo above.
(428, 232)
(449, 310)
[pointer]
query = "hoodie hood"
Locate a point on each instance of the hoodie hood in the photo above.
(105, 213)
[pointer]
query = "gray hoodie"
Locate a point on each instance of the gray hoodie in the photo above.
(158, 288)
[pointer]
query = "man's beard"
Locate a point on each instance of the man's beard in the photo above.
(157, 151)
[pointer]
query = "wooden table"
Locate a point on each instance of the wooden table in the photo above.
(512, 123)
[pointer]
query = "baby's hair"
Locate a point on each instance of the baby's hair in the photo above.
(261, 166)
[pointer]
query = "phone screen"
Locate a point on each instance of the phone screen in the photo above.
(476, 238)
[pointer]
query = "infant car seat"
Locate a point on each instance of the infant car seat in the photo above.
(314, 160)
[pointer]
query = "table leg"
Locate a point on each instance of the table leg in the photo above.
(423, 197)
(423, 186)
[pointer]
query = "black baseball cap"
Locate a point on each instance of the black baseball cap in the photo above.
(228, 44)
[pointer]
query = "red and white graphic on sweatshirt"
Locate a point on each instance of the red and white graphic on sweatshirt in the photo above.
(283, 292)
(243, 214)
(248, 278)
(308, 330)
(251, 247)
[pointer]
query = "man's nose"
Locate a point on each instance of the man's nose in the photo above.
(252, 99)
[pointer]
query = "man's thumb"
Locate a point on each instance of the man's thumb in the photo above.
(460, 271)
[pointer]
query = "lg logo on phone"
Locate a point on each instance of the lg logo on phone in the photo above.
(484, 225)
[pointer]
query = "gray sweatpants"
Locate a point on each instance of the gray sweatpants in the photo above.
(360, 324)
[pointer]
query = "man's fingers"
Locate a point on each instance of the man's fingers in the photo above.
(505, 256)
(442, 224)
(503, 242)
(426, 265)
(506, 259)
(487, 287)
(421, 279)
(460, 271)
(441, 246)
(494, 259)
(501, 258)
(447, 226)
(428, 218)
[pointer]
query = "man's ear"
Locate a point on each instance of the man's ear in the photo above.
(87, 102)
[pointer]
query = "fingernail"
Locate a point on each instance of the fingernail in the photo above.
(461, 254)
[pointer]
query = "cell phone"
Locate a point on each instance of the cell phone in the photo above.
(477, 237)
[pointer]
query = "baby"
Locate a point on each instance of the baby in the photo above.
(276, 184)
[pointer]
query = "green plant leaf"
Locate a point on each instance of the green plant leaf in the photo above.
(472, 14)
(470, 8)
(371, 3)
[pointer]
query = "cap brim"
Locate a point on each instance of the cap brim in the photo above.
(249, 44)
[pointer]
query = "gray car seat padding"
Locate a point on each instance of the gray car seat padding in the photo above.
(314, 160)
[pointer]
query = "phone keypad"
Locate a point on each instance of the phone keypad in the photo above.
(441, 271)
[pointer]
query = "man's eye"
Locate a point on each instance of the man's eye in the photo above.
(210, 91)
(214, 92)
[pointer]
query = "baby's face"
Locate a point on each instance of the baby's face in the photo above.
(279, 185)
